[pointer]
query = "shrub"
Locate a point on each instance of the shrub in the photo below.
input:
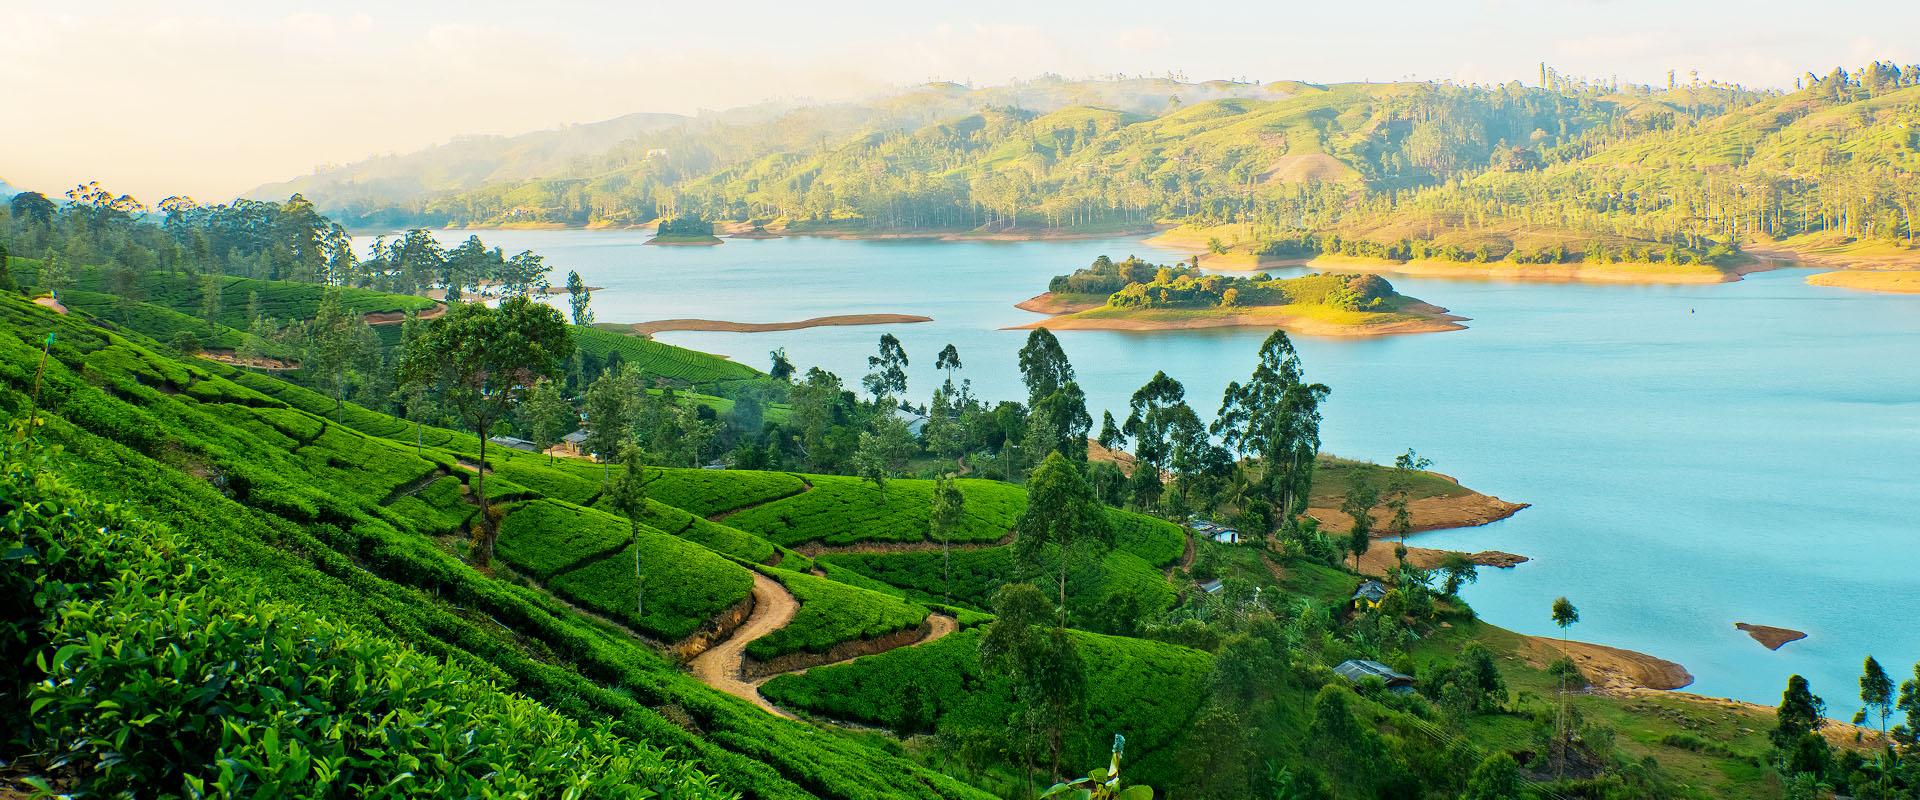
(841, 510)
(153, 677)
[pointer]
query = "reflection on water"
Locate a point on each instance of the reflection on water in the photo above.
(1696, 455)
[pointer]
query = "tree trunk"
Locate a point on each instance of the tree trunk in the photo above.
(480, 489)
(1063, 598)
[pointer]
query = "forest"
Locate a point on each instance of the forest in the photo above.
(1564, 171)
(295, 546)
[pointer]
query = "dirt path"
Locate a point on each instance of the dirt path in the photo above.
(721, 665)
(262, 363)
(397, 317)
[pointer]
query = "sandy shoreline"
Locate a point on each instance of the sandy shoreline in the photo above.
(688, 324)
(1609, 669)
(1884, 281)
(1430, 513)
(1541, 273)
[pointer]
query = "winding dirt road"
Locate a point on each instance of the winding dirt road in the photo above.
(721, 666)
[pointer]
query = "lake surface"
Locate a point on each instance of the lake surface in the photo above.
(1695, 456)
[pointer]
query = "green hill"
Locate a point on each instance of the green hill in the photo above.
(1577, 172)
(275, 542)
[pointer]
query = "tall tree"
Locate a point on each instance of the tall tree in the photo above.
(1111, 436)
(482, 361)
(6, 272)
(548, 415)
(949, 360)
(1564, 616)
(210, 299)
(609, 419)
(1795, 737)
(330, 346)
(1063, 512)
(1358, 505)
(578, 296)
(883, 451)
(1276, 416)
(949, 507)
(888, 376)
(1043, 365)
(628, 495)
(1048, 676)
(1876, 692)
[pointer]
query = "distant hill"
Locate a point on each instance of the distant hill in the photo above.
(7, 190)
(1599, 171)
(464, 163)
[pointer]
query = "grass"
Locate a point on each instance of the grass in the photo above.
(657, 360)
(841, 510)
(832, 613)
(1145, 690)
(1667, 728)
(977, 574)
(585, 556)
(1333, 477)
(712, 491)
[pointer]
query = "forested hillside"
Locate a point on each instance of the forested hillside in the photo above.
(1569, 171)
(321, 542)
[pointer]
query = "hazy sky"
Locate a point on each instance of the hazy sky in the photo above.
(210, 98)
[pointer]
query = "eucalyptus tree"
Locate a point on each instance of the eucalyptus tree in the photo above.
(1044, 367)
(548, 415)
(610, 416)
(578, 297)
(1275, 416)
(628, 495)
(888, 378)
(949, 507)
(949, 360)
(1062, 512)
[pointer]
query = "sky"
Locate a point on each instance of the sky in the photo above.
(210, 99)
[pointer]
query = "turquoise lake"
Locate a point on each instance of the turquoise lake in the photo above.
(1695, 456)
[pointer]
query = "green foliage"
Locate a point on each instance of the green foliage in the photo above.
(584, 556)
(978, 573)
(544, 538)
(1145, 690)
(842, 510)
(709, 491)
(154, 675)
(662, 361)
(256, 513)
(832, 613)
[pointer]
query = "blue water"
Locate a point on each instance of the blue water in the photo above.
(1695, 456)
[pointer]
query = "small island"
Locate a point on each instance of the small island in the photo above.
(1769, 636)
(1136, 295)
(684, 231)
